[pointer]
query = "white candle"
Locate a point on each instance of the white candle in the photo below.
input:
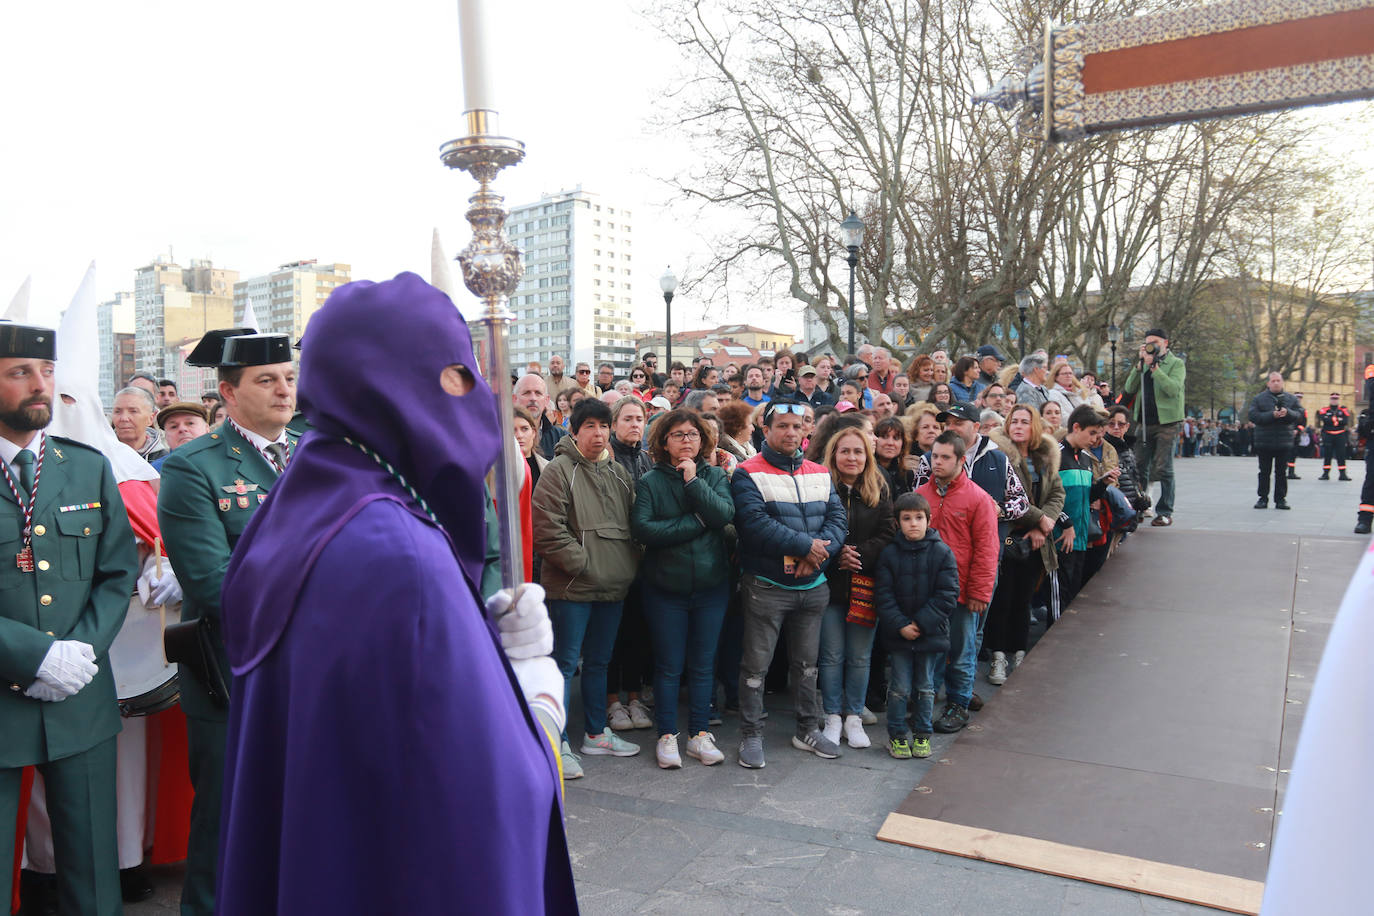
(474, 47)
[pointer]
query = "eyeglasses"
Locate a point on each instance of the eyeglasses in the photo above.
(687, 436)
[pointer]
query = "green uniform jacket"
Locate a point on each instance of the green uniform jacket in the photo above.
(86, 564)
(210, 489)
(1168, 389)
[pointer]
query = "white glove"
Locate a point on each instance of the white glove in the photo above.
(41, 691)
(525, 629)
(68, 666)
(542, 684)
(154, 590)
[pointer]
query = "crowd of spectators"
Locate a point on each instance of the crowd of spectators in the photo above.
(856, 531)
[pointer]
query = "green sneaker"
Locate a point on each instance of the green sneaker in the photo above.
(899, 748)
(920, 746)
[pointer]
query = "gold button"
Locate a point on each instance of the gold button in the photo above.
(45, 600)
(51, 633)
(43, 564)
(39, 530)
(14, 686)
(85, 531)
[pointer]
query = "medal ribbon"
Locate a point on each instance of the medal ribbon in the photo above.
(33, 496)
(266, 455)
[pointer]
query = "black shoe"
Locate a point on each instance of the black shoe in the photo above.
(134, 885)
(1326, 475)
(975, 703)
(1362, 526)
(1292, 476)
(37, 894)
(1281, 504)
(1262, 503)
(1344, 476)
(954, 718)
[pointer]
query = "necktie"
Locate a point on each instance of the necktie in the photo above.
(25, 460)
(278, 453)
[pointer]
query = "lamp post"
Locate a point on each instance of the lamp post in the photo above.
(1113, 335)
(668, 283)
(1023, 303)
(852, 233)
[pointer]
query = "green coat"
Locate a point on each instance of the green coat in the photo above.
(683, 527)
(87, 562)
(1168, 389)
(202, 513)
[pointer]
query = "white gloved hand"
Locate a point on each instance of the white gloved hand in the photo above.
(41, 691)
(155, 590)
(68, 666)
(525, 629)
(542, 684)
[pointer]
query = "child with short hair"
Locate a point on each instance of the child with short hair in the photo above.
(917, 588)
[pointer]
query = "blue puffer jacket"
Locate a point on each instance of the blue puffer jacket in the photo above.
(781, 503)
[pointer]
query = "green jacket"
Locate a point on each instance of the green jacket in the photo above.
(86, 563)
(582, 527)
(211, 487)
(683, 527)
(1168, 389)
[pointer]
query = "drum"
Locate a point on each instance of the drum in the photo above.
(144, 682)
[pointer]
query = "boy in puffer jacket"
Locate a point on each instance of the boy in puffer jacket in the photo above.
(917, 588)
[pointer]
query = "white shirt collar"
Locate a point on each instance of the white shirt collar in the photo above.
(260, 442)
(9, 451)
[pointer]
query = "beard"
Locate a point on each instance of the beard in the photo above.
(31, 415)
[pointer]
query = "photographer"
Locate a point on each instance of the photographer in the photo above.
(1275, 413)
(1157, 380)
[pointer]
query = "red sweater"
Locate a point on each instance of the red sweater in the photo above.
(966, 519)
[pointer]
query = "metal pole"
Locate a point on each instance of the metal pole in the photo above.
(491, 270)
(668, 346)
(1113, 368)
(853, 263)
(1023, 335)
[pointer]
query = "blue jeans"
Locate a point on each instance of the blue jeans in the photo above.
(685, 630)
(845, 652)
(911, 671)
(586, 630)
(962, 662)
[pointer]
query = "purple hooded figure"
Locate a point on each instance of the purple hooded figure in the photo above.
(380, 757)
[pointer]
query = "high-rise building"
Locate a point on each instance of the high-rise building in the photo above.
(574, 299)
(173, 305)
(115, 330)
(284, 299)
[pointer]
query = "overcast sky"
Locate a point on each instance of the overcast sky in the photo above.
(256, 133)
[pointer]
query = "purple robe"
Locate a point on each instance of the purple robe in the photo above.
(380, 756)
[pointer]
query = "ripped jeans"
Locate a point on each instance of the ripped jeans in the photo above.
(767, 609)
(911, 672)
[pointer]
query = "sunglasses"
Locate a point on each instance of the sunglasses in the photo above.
(798, 409)
(584, 372)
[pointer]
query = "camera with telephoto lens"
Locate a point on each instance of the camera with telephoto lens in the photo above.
(1152, 348)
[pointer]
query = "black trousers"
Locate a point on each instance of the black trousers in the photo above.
(1273, 461)
(1008, 625)
(1367, 488)
(1334, 445)
(1070, 577)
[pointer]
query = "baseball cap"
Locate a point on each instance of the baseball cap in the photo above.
(960, 411)
(987, 350)
(660, 401)
(807, 370)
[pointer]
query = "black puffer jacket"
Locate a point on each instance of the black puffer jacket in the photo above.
(918, 582)
(1275, 433)
(632, 458)
(1129, 482)
(870, 530)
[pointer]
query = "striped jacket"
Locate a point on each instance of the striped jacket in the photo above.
(781, 503)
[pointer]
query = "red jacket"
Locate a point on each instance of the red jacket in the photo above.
(966, 519)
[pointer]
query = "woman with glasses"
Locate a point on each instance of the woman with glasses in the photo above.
(681, 514)
(942, 395)
(1034, 455)
(1064, 386)
(849, 622)
(640, 382)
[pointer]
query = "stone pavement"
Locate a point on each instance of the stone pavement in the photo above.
(798, 836)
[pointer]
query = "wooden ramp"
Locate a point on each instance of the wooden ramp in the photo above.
(1144, 742)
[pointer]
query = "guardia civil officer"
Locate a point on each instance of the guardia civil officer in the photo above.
(1366, 513)
(1334, 422)
(67, 569)
(210, 489)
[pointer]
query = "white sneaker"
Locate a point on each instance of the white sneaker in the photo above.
(1017, 659)
(572, 768)
(618, 718)
(854, 732)
(639, 715)
(608, 744)
(831, 730)
(869, 717)
(702, 746)
(998, 673)
(668, 757)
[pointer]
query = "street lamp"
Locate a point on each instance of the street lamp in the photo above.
(1023, 303)
(668, 283)
(852, 233)
(1113, 335)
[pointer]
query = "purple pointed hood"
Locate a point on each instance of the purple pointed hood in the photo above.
(371, 361)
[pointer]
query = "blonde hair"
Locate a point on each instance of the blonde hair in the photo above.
(871, 483)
